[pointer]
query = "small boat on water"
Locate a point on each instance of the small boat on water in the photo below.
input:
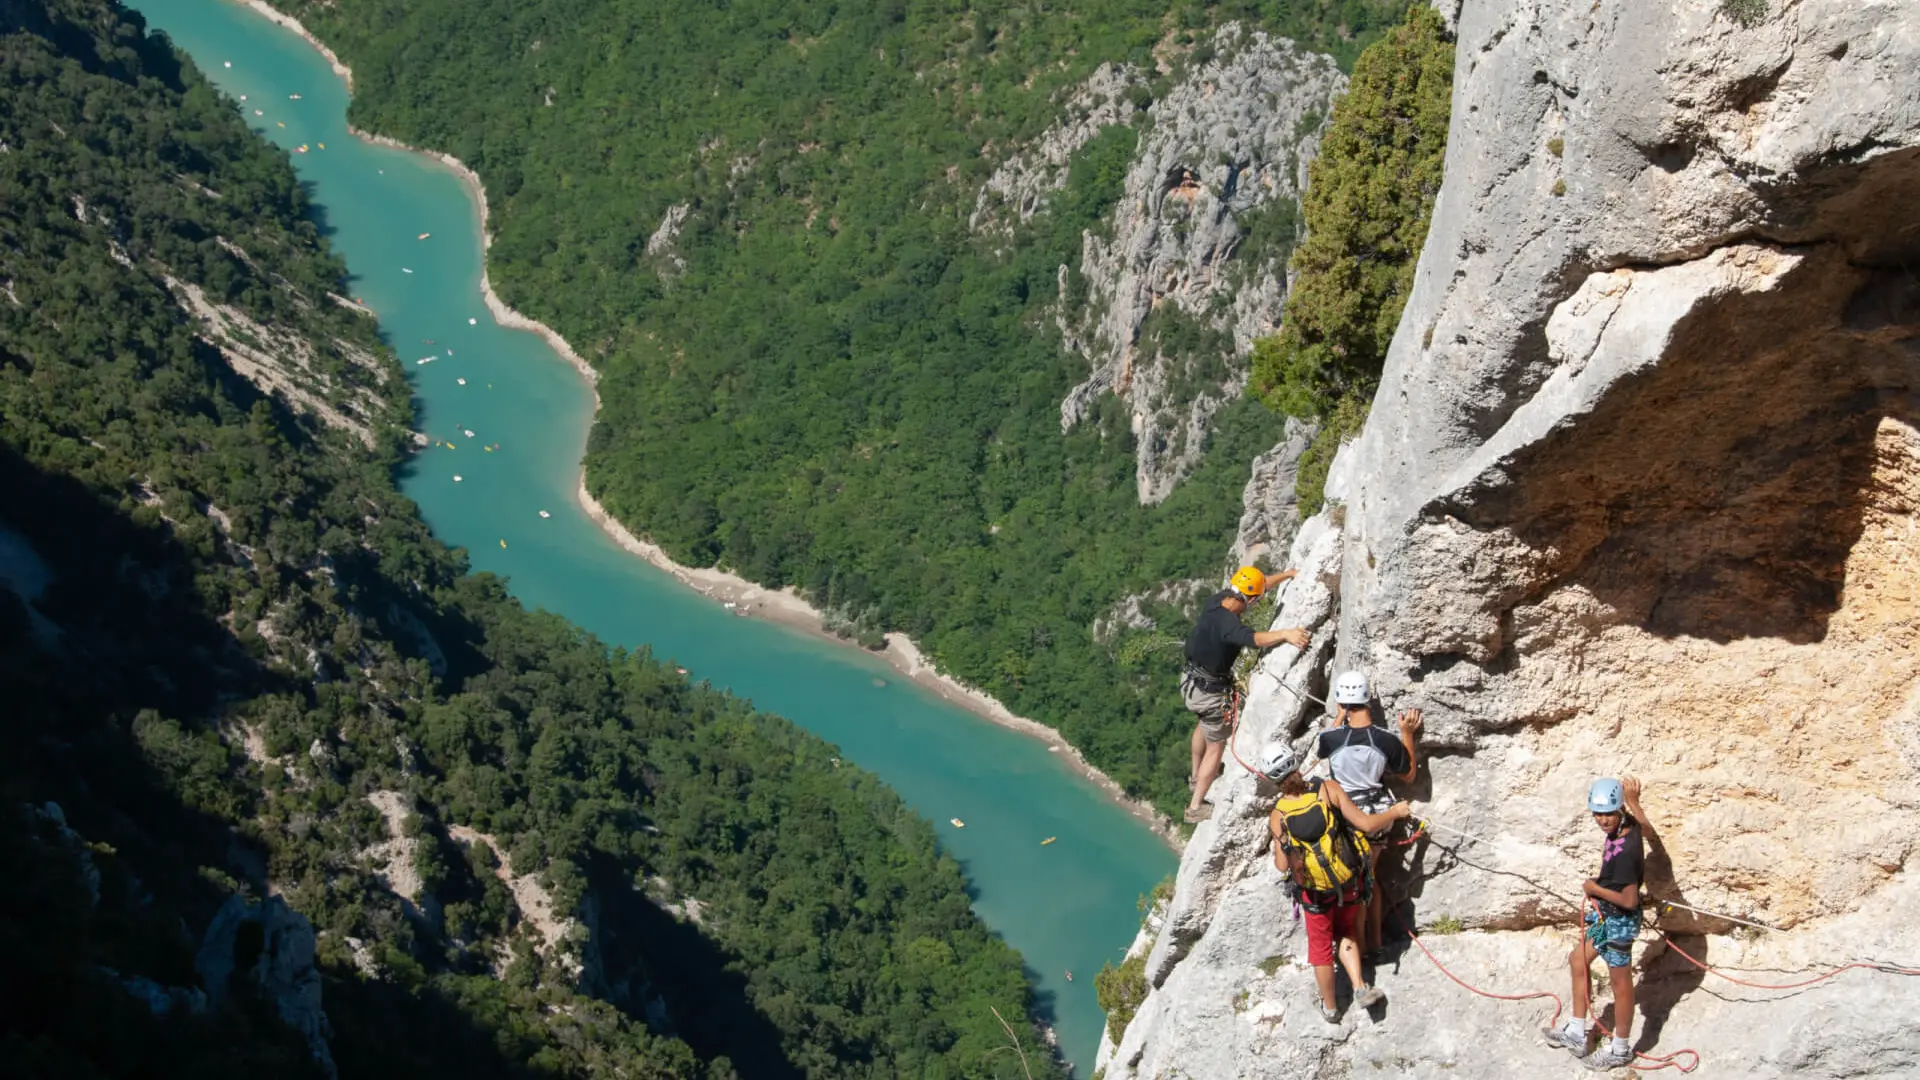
(457, 478)
(301, 149)
(257, 112)
(544, 514)
(681, 670)
(462, 382)
(957, 823)
(423, 236)
(1048, 840)
(503, 542)
(473, 322)
(468, 432)
(229, 63)
(322, 146)
(426, 360)
(279, 123)
(406, 269)
(293, 97)
(1069, 976)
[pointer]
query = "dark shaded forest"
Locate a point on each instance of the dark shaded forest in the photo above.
(227, 642)
(825, 380)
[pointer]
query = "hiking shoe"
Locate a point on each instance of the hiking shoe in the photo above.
(1328, 1013)
(1608, 1058)
(1558, 1036)
(1198, 814)
(1369, 997)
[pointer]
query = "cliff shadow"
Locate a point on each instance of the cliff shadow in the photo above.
(1717, 491)
(111, 835)
(668, 974)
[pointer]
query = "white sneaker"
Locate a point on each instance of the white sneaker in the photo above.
(1369, 997)
(1608, 1058)
(1561, 1037)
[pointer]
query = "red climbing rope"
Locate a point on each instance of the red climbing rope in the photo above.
(1660, 1061)
(1885, 969)
(1558, 1005)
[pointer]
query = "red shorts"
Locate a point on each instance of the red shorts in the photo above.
(1324, 929)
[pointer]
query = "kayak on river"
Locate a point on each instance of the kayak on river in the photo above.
(957, 823)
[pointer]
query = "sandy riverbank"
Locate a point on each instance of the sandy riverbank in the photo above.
(783, 606)
(786, 607)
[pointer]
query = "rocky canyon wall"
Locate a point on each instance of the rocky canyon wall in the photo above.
(1190, 266)
(1638, 495)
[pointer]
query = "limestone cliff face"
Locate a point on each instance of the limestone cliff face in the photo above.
(1192, 265)
(1640, 493)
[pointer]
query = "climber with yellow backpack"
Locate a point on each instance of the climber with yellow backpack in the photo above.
(1320, 843)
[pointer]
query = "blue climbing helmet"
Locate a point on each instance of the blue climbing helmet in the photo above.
(1606, 796)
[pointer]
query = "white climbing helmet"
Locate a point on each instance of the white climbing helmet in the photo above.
(1350, 689)
(1278, 761)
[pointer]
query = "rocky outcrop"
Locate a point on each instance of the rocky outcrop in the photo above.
(1174, 294)
(280, 361)
(1019, 187)
(1638, 494)
(555, 934)
(272, 945)
(663, 244)
(1270, 513)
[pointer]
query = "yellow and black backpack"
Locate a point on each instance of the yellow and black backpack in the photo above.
(1326, 855)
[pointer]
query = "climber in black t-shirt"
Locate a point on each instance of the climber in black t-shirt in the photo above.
(1612, 922)
(1206, 686)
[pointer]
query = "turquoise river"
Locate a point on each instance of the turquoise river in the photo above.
(1067, 906)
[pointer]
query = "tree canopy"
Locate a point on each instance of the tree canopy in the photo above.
(1367, 207)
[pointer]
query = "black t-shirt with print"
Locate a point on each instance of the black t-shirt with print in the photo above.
(1217, 638)
(1623, 860)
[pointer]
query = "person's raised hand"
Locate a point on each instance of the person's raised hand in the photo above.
(1283, 576)
(1630, 791)
(1295, 636)
(1403, 810)
(1410, 722)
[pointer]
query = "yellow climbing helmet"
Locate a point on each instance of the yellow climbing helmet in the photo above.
(1249, 582)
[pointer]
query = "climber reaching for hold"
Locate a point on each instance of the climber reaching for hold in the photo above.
(1207, 684)
(1363, 758)
(1612, 922)
(1320, 843)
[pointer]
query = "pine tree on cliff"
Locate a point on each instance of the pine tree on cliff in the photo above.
(1366, 211)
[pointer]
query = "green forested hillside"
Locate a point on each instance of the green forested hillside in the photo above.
(226, 641)
(825, 380)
